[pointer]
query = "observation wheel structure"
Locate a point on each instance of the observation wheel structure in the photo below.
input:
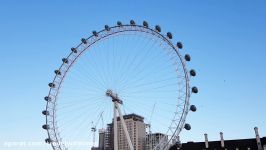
(137, 63)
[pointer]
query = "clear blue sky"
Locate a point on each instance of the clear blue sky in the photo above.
(225, 38)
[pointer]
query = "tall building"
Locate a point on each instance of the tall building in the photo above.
(94, 148)
(109, 137)
(101, 139)
(154, 139)
(136, 129)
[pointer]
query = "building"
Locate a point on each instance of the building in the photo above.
(154, 139)
(94, 148)
(136, 129)
(101, 139)
(109, 137)
(240, 144)
(256, 143)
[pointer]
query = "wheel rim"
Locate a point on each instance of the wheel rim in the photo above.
(182, 108)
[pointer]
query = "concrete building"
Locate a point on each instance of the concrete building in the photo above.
(109, 137)
(240, 144)
(94, 148)
(101, 145)
(154, 139)
(256, 143)
(136, 129)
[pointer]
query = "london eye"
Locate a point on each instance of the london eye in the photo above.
(120, 70)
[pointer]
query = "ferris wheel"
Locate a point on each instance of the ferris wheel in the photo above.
(120, 70)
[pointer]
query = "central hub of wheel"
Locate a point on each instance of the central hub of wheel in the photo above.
(114, 96)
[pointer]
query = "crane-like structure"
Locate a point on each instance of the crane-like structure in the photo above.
(94, 127)
(149, 123)
(117, 102)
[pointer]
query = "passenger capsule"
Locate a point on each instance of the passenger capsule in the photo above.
(65, 60)
(193, 108)
(48, 140)
(46, 127)
(45, 112)
(145, 24)
(74, 50)
(195, 89)
(158, 28)
(187, 57)
(95, 33)
(169, 35)
(107, 28)
(187, 126)
(57, 72)
(132, 22)
(119, 23)
(84, 41)
(192, 72)
(179, 45)
(52, 85)
(47, 98)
